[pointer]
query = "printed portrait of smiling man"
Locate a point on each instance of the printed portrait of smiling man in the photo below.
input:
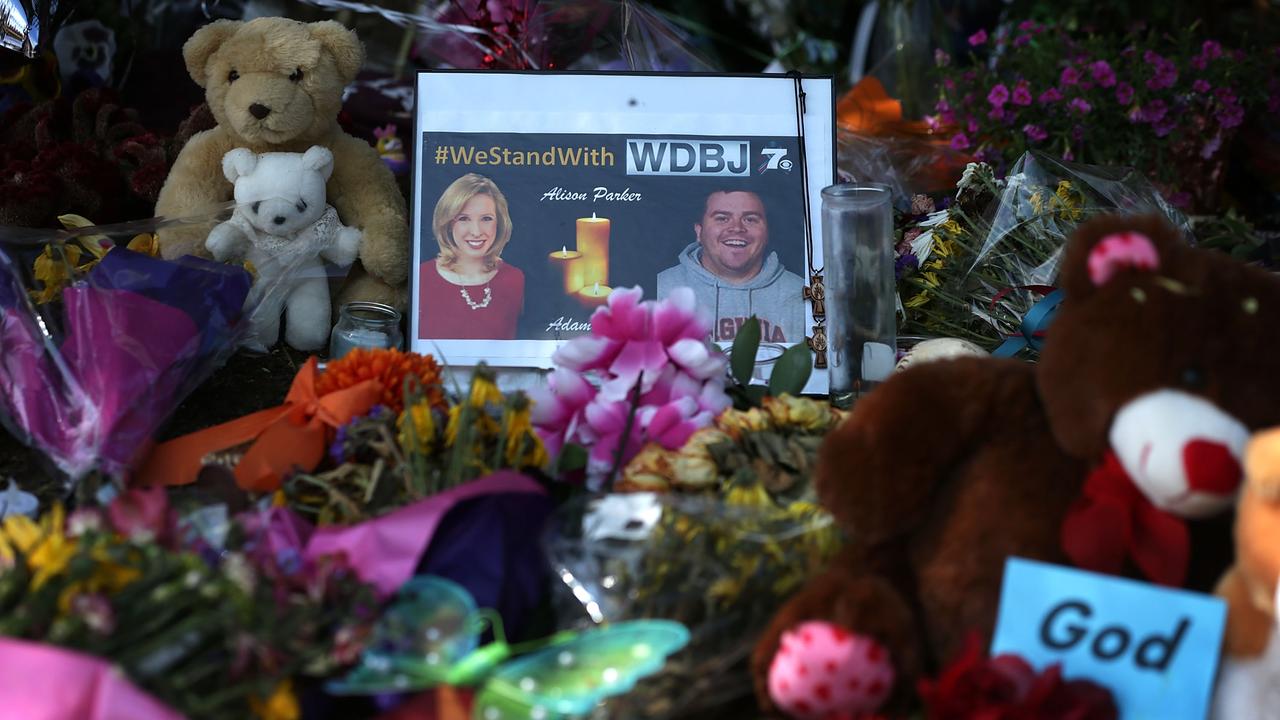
(733, 272)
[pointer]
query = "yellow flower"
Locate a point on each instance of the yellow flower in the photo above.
(98, 245)
(147, 244)
(524, 447)
(794, 412)
(693, 467)
(930, 279)
(484, 392)
(933, 265)
(281, 705)
(748, 495)
(651, 470)
(737, 422)
(1065, 197)
(423, 429)
(46, 548)
(920, 300)
(951, 227)
(943, 248)
(54, 271)
(1037, 202)
(109, 577)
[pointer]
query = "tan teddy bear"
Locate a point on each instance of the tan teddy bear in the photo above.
(275, 85)
(1249, 682)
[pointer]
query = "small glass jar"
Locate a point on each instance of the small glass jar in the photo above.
(365, 325)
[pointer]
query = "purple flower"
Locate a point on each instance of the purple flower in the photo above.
(1180, 200)
(1022, 93)
(1231, 116)
(1165, 72)
(903, 264)
(1164, 126)
(1034, 132)
(1201, 85)
(1102, 73)
(1211, 148)
(1124, 93)
(1070, 76)
(1052, 95)
(1225, 96)
(1077, 132)
(1068, 155)
(941, 58)
(1080, 105)
(1021, 40)
(1000, 115)
(1153, 111)
(1211, 50)
(978, 38)
(972, 127)
(1028, 26)
(949, 84)
(998, 96)
(960, 141)
(1199, 63)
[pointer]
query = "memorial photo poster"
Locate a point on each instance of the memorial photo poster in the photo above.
(526, 218)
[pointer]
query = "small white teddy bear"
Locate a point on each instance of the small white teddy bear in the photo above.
(283, 226)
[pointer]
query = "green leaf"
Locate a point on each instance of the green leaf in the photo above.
(573, 457)
(742, 359)
(791, 371)
(755, 395)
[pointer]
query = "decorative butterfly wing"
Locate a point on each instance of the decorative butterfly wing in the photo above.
(426, 631)
(570, 678)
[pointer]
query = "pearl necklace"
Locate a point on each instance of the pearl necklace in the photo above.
(488, 295)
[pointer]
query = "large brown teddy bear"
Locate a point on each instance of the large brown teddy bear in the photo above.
(275, 85)
(1158, 365)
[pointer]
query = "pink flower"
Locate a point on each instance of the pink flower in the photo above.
(1022, 93)
(1052, 95)
(941, 58)
(142, 514)
(1034, 132)
(1070, 76)
(1102, 73)
(998, 96)
(1201, 85)
(1124, 93)
(960, 141)
(1080, 105)
(656, 348)
(978, 38)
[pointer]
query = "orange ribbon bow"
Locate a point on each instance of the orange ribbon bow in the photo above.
(293, 435)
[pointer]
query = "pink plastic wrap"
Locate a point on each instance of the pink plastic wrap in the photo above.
(42, 682)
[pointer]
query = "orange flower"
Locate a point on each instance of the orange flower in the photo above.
(390, 367)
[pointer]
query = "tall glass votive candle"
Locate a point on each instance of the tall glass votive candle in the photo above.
(367, 325)
(857, 245)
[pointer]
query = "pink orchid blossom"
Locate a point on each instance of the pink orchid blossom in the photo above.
(646, 373)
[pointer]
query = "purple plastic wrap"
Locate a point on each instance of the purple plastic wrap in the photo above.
(99, 343)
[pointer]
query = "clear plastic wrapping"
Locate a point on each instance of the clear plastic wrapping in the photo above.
(100, 339)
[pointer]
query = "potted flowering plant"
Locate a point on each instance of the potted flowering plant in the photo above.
(1168, 106)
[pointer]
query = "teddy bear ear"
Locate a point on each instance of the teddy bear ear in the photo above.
(343, 44)
(238, 163)
(320, 159)
(1113, 245)
(204, 43)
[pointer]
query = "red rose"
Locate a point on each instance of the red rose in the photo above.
(1008, 688)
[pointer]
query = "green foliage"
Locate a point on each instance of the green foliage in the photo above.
(790, 372)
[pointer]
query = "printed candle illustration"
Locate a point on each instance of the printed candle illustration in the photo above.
(593, 243)
(569, 262)
(594, 295)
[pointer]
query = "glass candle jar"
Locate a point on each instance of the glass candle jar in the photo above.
(857, 245)
(365, 325)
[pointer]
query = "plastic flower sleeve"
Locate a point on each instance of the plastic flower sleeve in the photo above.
(719, 566)
(100, 339)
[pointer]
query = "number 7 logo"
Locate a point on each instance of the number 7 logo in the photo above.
(775, 159)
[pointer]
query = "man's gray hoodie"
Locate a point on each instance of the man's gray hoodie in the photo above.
(775, 295)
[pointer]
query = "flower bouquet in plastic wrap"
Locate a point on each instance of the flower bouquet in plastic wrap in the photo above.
(734, 529)
(100, 339)
(984, 267)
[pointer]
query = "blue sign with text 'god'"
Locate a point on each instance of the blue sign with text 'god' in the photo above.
(1155, 648)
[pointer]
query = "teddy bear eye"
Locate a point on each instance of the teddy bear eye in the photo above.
(296, 75)
(255, 206)
(302, 206)
(233, 76)
(1192, 377)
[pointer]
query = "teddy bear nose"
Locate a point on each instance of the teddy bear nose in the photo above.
(279, 219)
(1211, 467)
(259, 110)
